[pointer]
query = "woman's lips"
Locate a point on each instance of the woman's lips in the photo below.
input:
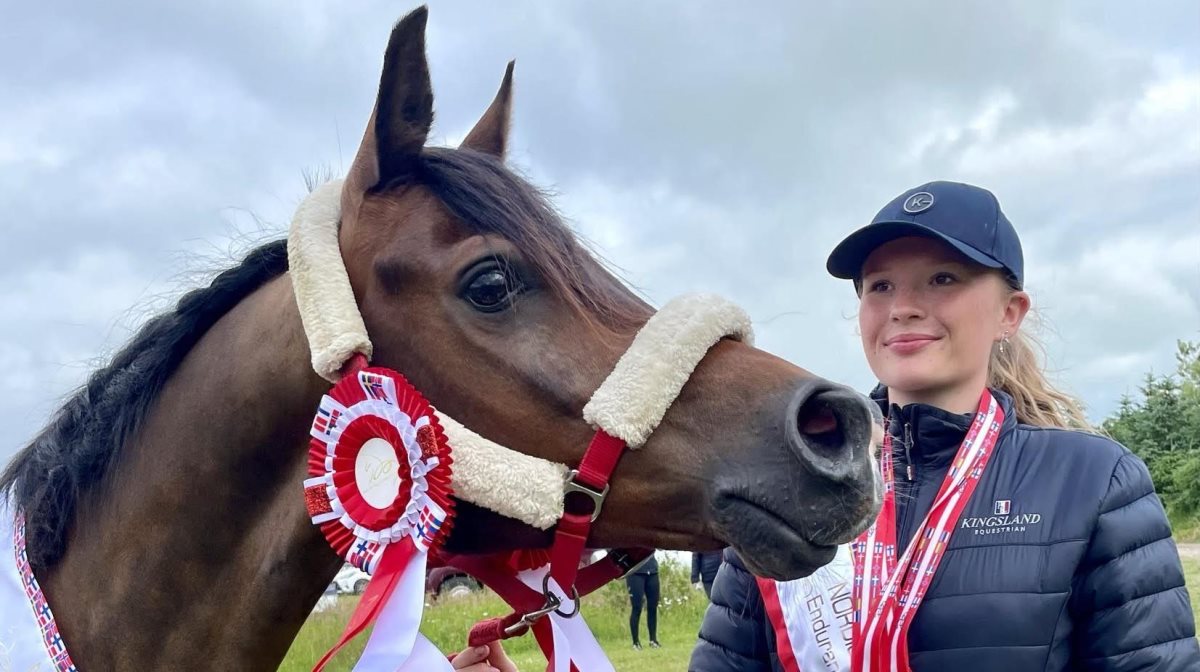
(907, 344)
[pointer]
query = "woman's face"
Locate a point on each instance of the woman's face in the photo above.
(929, 318)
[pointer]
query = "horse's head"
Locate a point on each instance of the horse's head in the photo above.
(470, 285)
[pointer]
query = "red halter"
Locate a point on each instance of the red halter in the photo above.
(584, 494)
(585, 489)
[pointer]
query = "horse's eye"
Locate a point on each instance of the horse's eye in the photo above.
(492, 290)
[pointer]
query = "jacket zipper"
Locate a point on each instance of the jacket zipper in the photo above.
(911, 493)
(909, 472)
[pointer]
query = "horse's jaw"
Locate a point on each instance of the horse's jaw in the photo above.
(766, 543)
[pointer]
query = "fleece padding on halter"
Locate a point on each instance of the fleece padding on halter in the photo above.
(519, 486)
(647, 379)
(514, 484)
(327, 307)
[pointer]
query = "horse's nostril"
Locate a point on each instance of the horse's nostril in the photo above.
(829, 428)
(819, 425)
(820, 420)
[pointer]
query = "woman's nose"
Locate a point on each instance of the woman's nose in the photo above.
(906, 305)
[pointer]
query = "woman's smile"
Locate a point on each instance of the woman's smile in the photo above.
(909, 343)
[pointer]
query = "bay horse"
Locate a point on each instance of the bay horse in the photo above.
(164, 514)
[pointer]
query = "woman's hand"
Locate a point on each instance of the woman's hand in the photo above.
(490, 658)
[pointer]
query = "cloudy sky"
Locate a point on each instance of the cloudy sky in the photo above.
(699, 147)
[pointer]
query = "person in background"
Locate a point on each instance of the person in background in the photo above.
(643, 589)
(704, 569)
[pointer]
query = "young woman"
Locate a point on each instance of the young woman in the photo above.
(1012, 536)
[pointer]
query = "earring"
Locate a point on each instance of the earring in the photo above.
(1003, 342)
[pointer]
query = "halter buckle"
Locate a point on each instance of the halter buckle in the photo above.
(597, 496)
(552, 604)
(551, 597)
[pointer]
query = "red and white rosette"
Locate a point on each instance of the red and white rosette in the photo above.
(379, 489)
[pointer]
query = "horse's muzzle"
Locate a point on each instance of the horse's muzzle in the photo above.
(806, 484)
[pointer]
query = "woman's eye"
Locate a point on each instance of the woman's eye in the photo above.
(491, 291)
(879, 286)
(944, 279)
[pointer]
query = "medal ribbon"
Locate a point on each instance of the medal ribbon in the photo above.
(888, 592)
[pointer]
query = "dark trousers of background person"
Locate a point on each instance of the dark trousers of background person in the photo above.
(643, 588)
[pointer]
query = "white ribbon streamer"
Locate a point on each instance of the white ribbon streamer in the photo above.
(573, 640)
(396, 645)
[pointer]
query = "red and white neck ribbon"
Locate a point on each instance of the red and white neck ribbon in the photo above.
(887, 592)
(380, 492)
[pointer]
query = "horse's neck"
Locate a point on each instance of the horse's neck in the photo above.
(198, 553)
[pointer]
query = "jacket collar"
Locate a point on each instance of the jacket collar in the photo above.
(928, 436)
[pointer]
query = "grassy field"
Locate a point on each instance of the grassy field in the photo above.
(607, 612)
(1185, 529)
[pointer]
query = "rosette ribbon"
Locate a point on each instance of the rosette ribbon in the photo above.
(379, 490)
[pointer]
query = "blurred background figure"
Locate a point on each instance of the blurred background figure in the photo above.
(643, 589)
(704, 570)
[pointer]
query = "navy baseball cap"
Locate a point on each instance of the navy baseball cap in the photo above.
(966, 217)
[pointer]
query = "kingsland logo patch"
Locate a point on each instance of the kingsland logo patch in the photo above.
(1002, 521)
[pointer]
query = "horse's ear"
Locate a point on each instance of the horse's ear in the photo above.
(403, 110)
(490, 134)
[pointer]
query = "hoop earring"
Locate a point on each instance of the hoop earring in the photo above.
(1003, 342)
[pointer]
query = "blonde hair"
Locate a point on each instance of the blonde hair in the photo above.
(1015, 368)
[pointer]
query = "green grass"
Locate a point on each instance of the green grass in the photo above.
(1185, 528)
(607, 612)
(1191, 575)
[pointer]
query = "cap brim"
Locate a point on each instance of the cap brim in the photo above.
(847, 258)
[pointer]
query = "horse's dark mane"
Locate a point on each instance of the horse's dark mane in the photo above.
(72, 455)
(74, 451)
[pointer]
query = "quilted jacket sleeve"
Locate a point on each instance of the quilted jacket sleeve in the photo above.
(1131, 608)
(733, 633)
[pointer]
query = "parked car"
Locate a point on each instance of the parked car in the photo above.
(441, 581)
(351, 580)
(328, 599)
(450, 582)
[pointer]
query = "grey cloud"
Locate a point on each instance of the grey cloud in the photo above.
(703, 147)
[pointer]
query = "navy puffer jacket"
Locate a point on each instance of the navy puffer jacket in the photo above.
(1080, 574)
